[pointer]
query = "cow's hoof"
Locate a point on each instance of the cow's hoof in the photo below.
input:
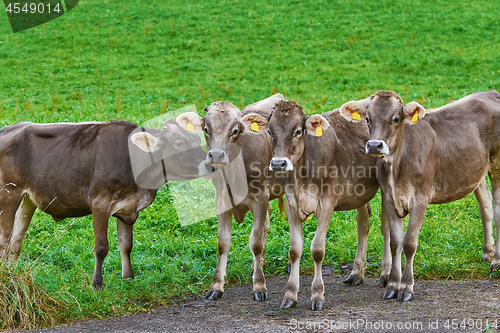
(260, 296)
(353, 280)
(97, 285)
(288, 269)
(390, 294)
(287, 304)
(317, 305)
(382, 283)
(405, 297)
(494, 268)
(486, 258)
(214, 294)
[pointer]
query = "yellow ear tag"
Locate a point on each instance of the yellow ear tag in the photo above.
(356, 116)
(415, 117)
(254, 127)
(189, 127)
(319, 130)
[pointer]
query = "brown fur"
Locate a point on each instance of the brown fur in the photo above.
(222, 106)
(256, 151)
(463, 137)
(285, 106)
(383, 93)
(72, 170)
(341, 147)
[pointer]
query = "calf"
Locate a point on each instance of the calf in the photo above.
(72, 170)
(325, 169)
(228, 132)
(431, 158)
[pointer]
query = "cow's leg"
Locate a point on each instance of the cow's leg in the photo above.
(485, 205)
(101, 246)
(396, 244)
(386, 257)
(9, 204)
(257, 242)
(294, 255)
(318, 254)
(495, 187)
(268, 226)
(6, 227)
(22, 221)
(410, 242)
(125, 242)
(358, 271)
(225, 222)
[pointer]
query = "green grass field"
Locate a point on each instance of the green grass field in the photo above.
(136, 60)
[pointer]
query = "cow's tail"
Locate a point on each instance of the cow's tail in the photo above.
(281, 206)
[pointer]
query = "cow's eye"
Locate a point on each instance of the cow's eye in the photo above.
(206, 131)
(297, 133)
(396, 120)
(270, 134)
(368, 120)
(235, 132)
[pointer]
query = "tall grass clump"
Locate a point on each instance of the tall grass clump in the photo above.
(24, 301)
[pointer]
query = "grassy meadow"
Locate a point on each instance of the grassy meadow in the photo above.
(136, 60)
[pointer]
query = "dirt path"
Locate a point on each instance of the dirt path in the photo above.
(347, 309)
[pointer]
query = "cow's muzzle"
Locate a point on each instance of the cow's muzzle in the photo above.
(377, 148)
(205, 170)
(280, 164)
(217, 158)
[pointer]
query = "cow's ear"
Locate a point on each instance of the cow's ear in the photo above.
(413, 112)
(253, 123)
(191, 122)
(145, 141)
(316, 125)
(353, 111)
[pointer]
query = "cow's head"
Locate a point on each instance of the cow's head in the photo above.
(287, 127)
(386, 116)
(222, 129)
(181, 152)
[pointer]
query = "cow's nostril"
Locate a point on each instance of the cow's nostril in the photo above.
(210, 155)
(380, 145)
(279, 164)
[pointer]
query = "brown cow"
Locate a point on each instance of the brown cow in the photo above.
(431, 158)
(325, 169)
(72, 170)
(227, 131)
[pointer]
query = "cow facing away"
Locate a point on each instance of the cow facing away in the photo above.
(224, 126)
(431, 158)
(325, 169)
(73, 170)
